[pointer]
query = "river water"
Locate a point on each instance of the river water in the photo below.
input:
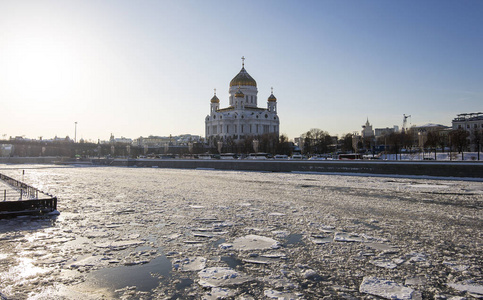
(149, 233)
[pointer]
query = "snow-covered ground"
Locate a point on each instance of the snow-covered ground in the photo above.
(131, 233)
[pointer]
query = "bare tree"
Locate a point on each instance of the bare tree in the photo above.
(477, 140)
(459, 140)
(346, 142)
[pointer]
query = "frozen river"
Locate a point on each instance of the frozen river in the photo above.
(142, 233)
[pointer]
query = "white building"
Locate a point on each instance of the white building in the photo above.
(242, 118)
(473, 124)
(385, 131)
(469, 122)
(367, 131)
(121, 140)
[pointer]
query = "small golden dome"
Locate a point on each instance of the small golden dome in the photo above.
(215, 99)
(272, 98)
(243, 79)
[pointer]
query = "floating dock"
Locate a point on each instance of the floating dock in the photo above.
(22, 199)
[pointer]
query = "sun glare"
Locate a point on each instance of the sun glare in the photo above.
(40, 69)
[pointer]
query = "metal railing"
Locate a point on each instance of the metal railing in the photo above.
(25, 190)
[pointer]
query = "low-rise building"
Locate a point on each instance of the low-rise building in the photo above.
(426, 129)
(378, 132)
(473, 124)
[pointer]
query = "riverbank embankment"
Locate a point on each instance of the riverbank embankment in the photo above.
(422, 168)
(460, 169)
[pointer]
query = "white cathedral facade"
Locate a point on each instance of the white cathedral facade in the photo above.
(242, 118)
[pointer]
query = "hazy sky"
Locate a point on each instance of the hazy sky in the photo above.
(139, 68)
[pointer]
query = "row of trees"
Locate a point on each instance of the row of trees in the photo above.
(314, 141)
(317, 141)
(269, 143)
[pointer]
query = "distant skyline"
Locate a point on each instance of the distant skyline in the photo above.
(139, 68)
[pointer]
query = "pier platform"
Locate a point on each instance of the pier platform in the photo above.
(18, 198)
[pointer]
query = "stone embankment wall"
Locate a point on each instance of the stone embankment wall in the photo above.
(420, 168)
(430, 168)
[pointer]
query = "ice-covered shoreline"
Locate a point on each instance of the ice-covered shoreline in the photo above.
(208, 234)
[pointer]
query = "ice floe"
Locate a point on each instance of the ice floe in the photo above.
(384, 263)
(218, 293)
(255, 242)
(273, 294)
(190, 264)
(120, 245)
(221, 277)
(320, 239)
(387, 289)
(347, 237)
(476, 289)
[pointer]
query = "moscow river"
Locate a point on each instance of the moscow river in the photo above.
(152, 233)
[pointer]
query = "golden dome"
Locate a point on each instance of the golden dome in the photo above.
(272, 98)
(243, 79)
(215, 99)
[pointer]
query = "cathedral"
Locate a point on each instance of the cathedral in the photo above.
(242, 118)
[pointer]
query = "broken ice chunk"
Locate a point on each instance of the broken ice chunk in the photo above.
(191, 264)
(384, 263)
(272, 294)
(311, 275)
(455, 266)
(281, 233)
(387, 289)
(221, 276)
(259, 260)
(197, 206)
(89, 261)
(346, 237)
(225, 246)
(203, 234)
(218, 293)
(417, 257)
(120, 245)
(255, 242)
(387, 249)
(418, 280)
(470, 288)
(276, 214)
(320, 240)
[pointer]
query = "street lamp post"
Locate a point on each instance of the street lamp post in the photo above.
(75, 133)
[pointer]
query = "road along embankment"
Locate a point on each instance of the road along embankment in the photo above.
(406, 168)
(30, 160)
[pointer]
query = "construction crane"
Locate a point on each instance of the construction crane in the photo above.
(405, 122)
